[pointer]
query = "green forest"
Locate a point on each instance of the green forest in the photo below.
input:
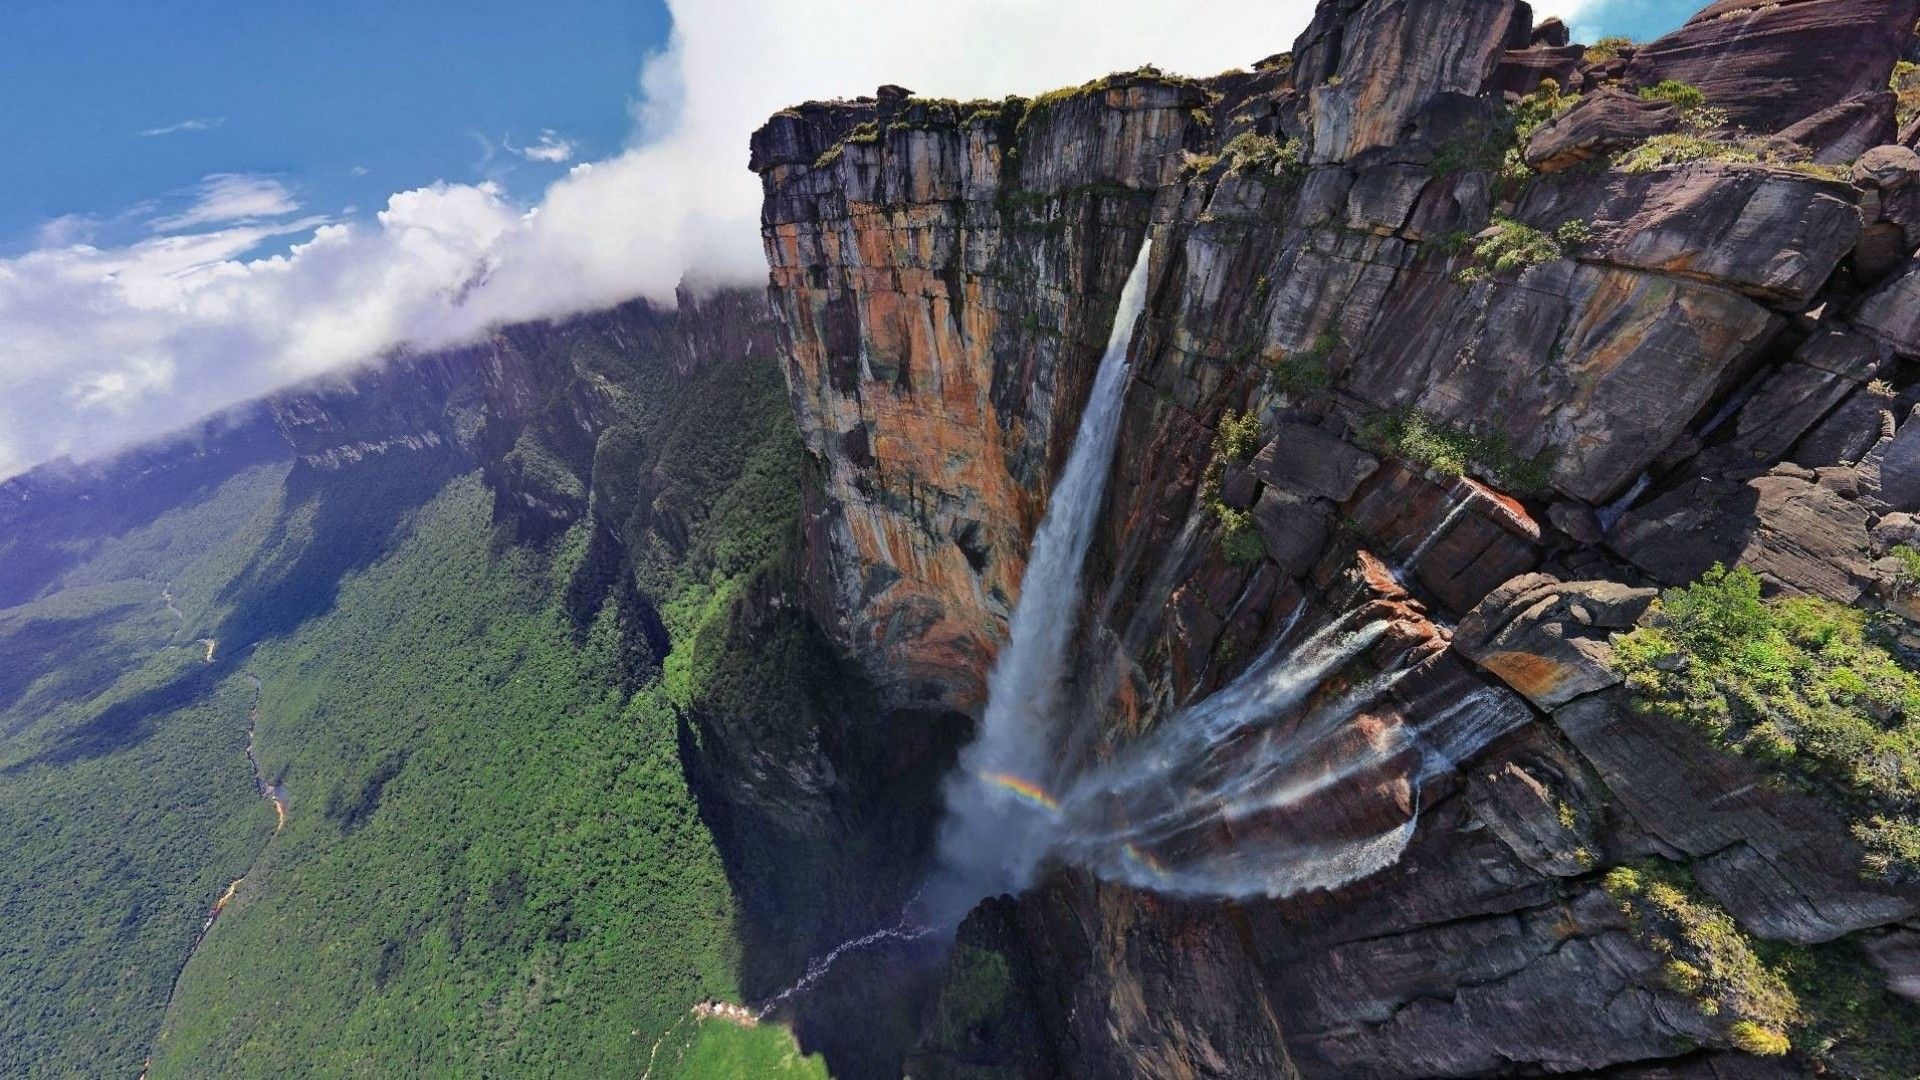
(492, 862)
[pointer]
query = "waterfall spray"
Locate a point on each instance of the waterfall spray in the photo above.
(994, 833)
(1282, 781)
(1213, 801)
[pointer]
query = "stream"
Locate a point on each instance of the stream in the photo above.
(275, 793)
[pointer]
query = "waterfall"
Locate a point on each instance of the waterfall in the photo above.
(1220, 802)
(994, 833)
(1404, 572)
(1212, 802)
(1272, 785)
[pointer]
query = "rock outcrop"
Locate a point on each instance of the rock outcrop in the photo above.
(945, 301)
(1774, 63)
(1503, 387)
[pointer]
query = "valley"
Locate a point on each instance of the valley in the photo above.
(1398, 560)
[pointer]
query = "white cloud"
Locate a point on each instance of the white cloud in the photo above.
(100, 347)
(357, 170)
(67, 229)
(550, 148)
(224, 197)
(202, 123)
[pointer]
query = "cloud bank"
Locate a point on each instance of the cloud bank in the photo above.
(101, 347)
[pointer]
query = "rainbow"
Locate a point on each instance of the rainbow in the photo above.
(1145, 860)
(1025, 789)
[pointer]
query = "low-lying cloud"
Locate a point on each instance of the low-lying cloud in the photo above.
(100, 347)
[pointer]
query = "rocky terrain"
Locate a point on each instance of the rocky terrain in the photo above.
(1488, 332)
(1499, 345)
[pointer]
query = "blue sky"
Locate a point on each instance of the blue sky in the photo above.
(118, 109)
(1641, 20)
(344, 101)
(210, 201)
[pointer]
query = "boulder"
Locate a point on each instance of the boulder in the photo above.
(1599, 367)
(1239, 487)
(1890, 207)
(1771, 65)
(1894, 529)
(1576, 519)
(1886, 168)
(1521, 71)
(1551, 33)
(1604, 121)
(1548, 639)
(1294, 528)
(1768, 232)
(1306, 460)
(1798, 534)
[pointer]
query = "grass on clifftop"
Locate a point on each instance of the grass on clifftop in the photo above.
(1827, 1004)
(1707, 959)
(1685, 147)
(1448, 450)
(1800, 684)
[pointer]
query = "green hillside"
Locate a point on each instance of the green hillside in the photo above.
(492, 862)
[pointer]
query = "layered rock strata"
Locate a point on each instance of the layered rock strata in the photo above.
(1520, 355)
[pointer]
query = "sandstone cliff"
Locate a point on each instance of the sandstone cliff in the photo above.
(1540, 346)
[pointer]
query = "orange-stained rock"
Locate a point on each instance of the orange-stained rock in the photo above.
(943, 324)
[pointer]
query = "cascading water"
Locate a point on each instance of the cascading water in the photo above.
(995, 834)
(1404, 572)
(990, 841)
(1239, 794)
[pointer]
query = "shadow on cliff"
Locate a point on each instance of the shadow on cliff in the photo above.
(825, 846)
(330, 524)
(61, 659)
(51, 519)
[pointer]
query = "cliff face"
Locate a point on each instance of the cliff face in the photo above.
(944, 303)
(667, 437)
(1649, 340)
(528, 403)
(647, 484)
